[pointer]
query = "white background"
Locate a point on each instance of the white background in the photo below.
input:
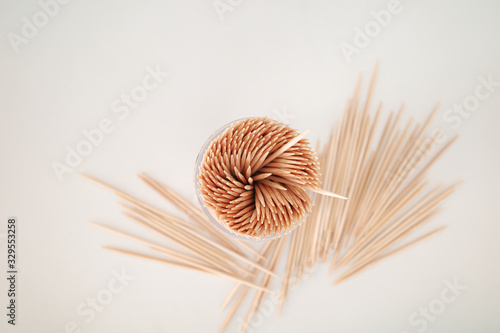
(263, 56)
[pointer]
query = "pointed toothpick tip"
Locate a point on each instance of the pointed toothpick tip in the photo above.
(81, 174)
(336, 283)
(328, 193)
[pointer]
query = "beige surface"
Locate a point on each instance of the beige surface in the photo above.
(281, 59)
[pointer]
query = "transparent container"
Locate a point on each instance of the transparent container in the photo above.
(208, 211)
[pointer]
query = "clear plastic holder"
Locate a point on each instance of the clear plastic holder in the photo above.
(207, 211)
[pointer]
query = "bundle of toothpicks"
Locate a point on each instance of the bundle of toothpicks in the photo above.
(389, 198)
